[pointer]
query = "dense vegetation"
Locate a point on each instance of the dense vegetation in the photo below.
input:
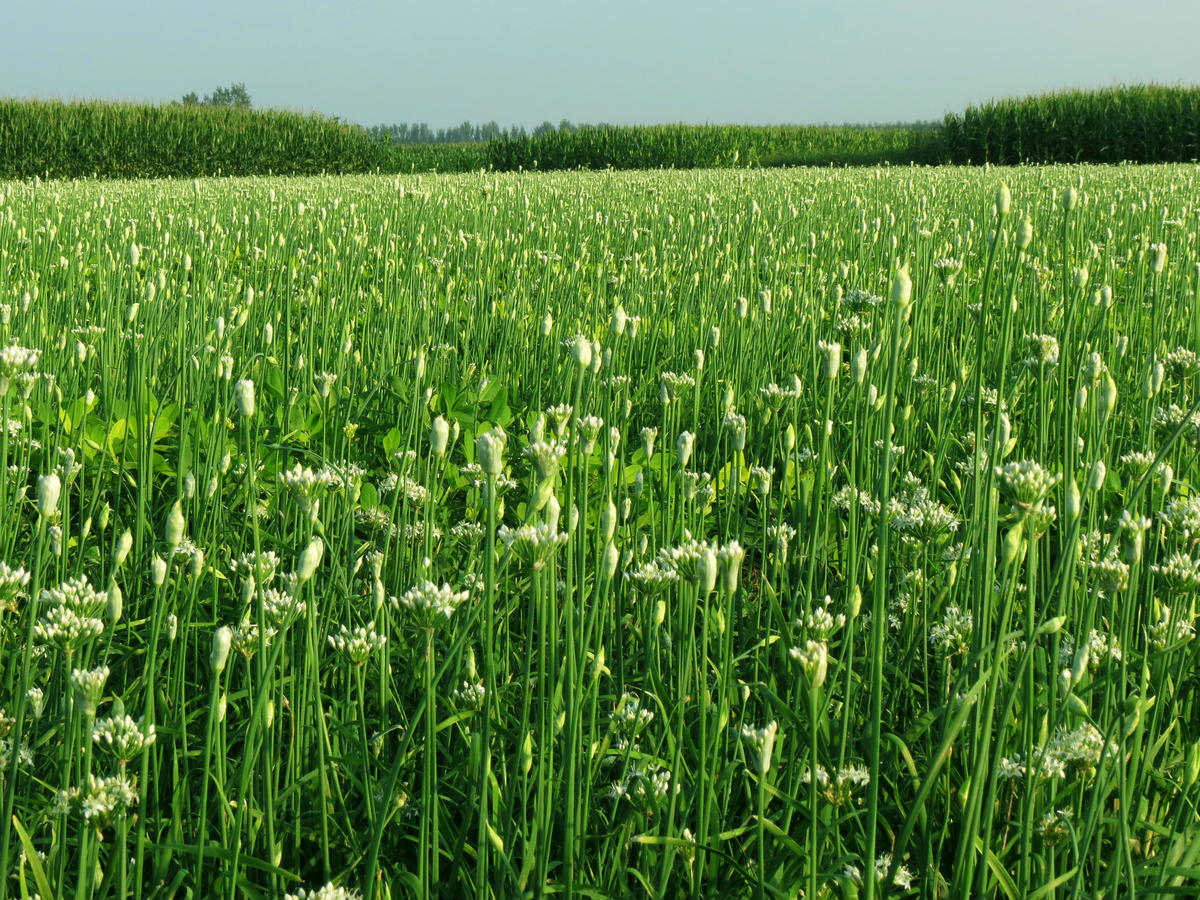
(114, 140)
(64, 140)
(1142, 123)
(1138, 124)
(602, 535)
(712, 146)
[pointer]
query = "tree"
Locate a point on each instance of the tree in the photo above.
(235, 95)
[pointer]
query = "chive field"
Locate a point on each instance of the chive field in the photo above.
(822, 533)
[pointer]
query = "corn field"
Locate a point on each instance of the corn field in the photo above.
(1139, 123)
(53, 139)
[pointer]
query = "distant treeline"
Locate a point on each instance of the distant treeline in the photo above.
(64, 140)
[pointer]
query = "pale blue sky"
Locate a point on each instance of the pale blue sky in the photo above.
(624, 61)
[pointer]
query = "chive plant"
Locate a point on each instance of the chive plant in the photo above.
(718, 533)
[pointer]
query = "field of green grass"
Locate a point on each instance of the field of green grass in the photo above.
(654, 534)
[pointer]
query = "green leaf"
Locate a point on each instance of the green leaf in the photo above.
(391, 441)
(31, 857)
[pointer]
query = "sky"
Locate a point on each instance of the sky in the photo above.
(521, 62)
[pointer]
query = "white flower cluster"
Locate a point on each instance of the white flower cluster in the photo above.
(1171, 417)
(262, 566)
(775, 396)
(1182, 514)
(1101, 558)
(653, 576)
(244, 638)
(1080, 750)
(672, 384)
(12, 582)
(838, 787)
(430, 602)
(902, 879)
(1025, 482)
(104, 799)
(953, 634)
(122, 736)
(281, 608)
(533, 544)
(1183, 361)
(820, 623)
(74, 614)
(630, 716)
(470, 693)
(476, 478)
(1171, 628)
(644, 787)
(546, 457)
(1101, 648)
(16, 361)
(329, 891)
(357, 643)
(1045, 351)
(760, 742)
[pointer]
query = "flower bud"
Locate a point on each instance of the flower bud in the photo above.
(707, 568)
(310, 559)
(222, 640)
(1080, 664)
(1072, 502)
(1076, 705)
(439, 436)
(1158, 261)
(175, 526)
(608, 519)
(902, 288)
(526, 758)
(243, 393)
(617, 324)
(684, 445)
(730, 558)
(1024, 235)
(858, 365)
(611, 558)
(489, 447)
(158, 571)
(116, 601)
(1003, 200)
(124, 545)
(581, 351)
(48, 490)
(1013, 541)
(831, 353)
(1107, 395)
